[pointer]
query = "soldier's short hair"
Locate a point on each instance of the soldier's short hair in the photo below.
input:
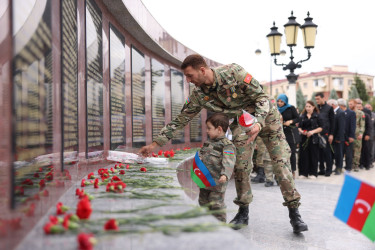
(195, 61)
(358, 100)
(341, 102)
(219, 119)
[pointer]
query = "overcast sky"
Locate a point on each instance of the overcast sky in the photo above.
(231, 31)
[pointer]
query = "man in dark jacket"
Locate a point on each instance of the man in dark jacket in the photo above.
(372, 139)
(327, 115)
(338, 135)
(366, 143)
(350, 125)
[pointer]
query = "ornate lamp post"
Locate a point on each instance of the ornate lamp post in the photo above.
(291, 32)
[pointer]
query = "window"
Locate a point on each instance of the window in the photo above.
(305, 85)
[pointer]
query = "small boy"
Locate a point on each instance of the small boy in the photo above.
(218, 154)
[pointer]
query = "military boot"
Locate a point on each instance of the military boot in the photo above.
(296, 221)
(241, 218)
(260, 178)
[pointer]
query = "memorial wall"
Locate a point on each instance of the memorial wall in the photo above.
(94, 71)
(85, 78)
(117, 92)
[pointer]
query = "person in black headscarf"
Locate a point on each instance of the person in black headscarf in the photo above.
(290, 118)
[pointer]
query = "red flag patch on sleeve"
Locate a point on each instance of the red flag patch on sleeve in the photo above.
(248, 78)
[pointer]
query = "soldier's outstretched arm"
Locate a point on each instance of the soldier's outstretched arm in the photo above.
(191, 108)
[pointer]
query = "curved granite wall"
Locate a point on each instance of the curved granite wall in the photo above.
(78, 79)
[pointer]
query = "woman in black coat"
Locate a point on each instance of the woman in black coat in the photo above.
(310, 125)
(290, 118)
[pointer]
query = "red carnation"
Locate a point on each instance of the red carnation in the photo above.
(40, 169)
(86, 241)
(116, 178)
(96, 183)
(91, 176)
(42, 184)
(53, 219)
(49, 176)
(27, 182)
(166, 154)
(154, 155)
(143, 169)
(36, 175)
(160, 152)
(111, 224)
(84, 208)
(83, 182)
(61, 209)
(122, 171)
(127, 166)
(171, 153)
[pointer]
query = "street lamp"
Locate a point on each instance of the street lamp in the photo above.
(291, 32)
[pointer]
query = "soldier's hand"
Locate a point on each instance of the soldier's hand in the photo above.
(223, 179)
(367, 137)
(351, 139)
(146, 150)
(253, 133)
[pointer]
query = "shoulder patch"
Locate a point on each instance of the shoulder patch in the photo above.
(187, 100)
(248, 78)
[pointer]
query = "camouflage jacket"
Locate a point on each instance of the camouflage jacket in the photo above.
(360, 122)
(233, 90)
(219, 156)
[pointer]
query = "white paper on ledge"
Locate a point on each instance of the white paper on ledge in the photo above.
(126, 157)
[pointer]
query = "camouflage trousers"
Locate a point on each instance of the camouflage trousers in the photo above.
(214, 201)
(263, 159)
(274, 139)
(357, 147)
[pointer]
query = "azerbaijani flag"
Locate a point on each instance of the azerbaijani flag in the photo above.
(200, 174)
(356, 206)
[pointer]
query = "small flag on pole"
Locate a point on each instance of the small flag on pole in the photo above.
(356, 206)
(200, 174)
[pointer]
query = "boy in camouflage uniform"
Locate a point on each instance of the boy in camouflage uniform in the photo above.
(229, 89)
(359, 129)
(218, 155)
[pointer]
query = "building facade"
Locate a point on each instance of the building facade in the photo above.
(337, 78)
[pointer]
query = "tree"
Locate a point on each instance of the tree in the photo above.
(333, 95)
(361, 88)
(313, 97)
(353, 93)
(301, 101)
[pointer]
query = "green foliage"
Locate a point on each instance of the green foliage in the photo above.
(353, 93)
(333, 95)
(313, 97)
(361, 88)
(301, 101)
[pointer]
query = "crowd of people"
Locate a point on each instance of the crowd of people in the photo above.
(322, 135)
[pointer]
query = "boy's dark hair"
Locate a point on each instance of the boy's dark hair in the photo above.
(195, 61)
(320, 94)
(219, 119)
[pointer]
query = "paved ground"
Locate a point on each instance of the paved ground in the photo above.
(269, 226)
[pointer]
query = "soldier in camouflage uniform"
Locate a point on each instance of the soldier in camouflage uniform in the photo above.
(360, 128)
(230, 89)
(218, 155)
(264, 164)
